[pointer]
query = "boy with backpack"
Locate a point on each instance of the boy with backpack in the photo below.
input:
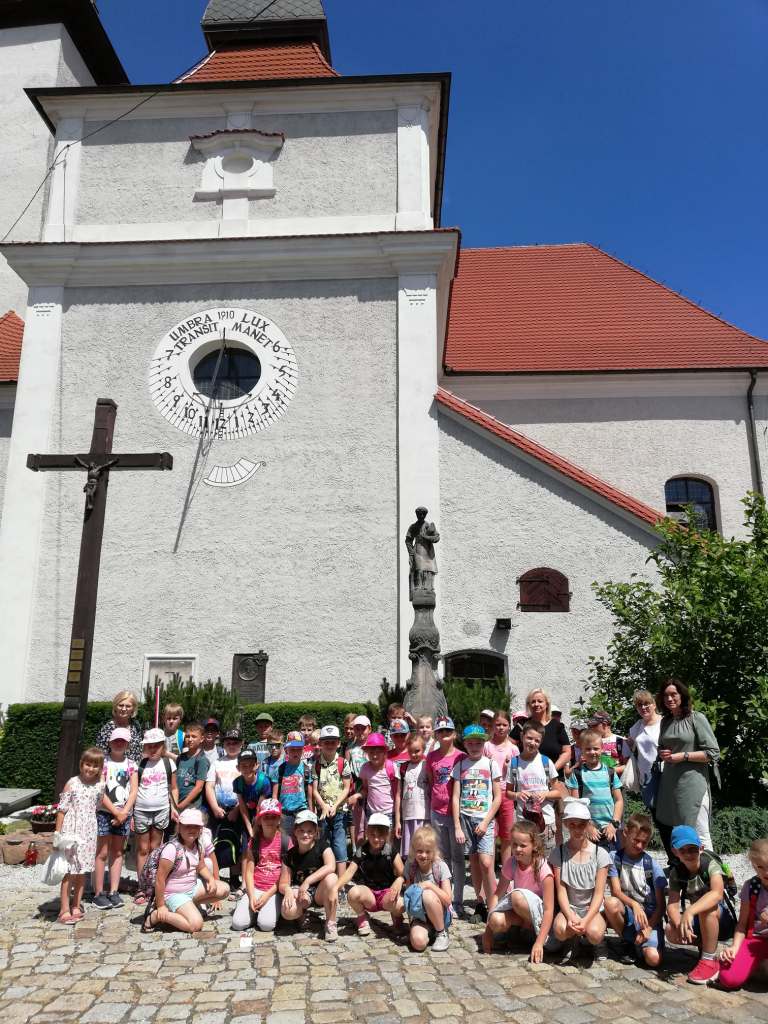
(289, 784)
(635, 908)
(157, 793)
(331, 780)
(532, 783)
(602, 785)
(192, 768)
(700, 908)
(173, 716)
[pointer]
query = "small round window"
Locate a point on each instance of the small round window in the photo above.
(238, 374)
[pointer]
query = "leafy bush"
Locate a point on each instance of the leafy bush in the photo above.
(467, 697)
(705, 624)
(735, 828)
(199, 700)
(287, 715)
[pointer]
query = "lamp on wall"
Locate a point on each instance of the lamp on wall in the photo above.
(505, 624)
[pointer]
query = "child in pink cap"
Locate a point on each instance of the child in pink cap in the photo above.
(379, 779)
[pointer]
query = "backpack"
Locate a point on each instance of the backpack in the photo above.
(755, 885)
(647, 869)
(227, 844)
(533, 809)
(730, 889)
(340, 763)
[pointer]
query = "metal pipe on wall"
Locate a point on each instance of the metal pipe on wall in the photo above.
(754, 452)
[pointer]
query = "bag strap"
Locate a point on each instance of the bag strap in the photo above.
(514, 765)
(755, 885)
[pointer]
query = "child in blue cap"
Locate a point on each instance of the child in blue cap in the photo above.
(698, 905)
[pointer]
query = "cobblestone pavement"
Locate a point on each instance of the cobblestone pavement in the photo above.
(104, 970)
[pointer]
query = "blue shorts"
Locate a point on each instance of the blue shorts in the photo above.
(104, 826)
(175, 900)
(474, 843)
(334, 831)
(654, 941)
(727, 923)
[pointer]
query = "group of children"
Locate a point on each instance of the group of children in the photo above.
(386, 821)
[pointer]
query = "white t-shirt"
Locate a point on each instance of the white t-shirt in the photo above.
(117, 778)
(533, 775)
(646, 739)
(415, 792)
(476, 779)
(222, 775)
(153, 792)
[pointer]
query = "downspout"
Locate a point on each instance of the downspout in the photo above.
(754, 452)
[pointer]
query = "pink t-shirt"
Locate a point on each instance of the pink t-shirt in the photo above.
(501, 754)
(184, 878)
(524, 878)
(266, 870)
(439, 770)
(380, 797)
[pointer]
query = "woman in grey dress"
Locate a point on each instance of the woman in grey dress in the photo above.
(688, 748)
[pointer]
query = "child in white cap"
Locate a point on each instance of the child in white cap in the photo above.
(331, 780)
(113, 818)
(157, 792)
(377, 870)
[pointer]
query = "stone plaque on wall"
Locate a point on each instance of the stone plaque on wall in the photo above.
(249, 676)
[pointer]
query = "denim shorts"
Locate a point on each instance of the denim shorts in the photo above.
(104, 826)
(727, 923)
(334, 831)
(474, 843)
(654, 941)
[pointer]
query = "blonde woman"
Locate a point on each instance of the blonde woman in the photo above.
(125, 704)
(555, 743)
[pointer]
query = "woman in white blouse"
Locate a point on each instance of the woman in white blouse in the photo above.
(642, 743)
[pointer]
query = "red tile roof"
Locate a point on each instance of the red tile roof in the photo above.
(555, 308)
(11, 333)
(262, 60)
(538, 452)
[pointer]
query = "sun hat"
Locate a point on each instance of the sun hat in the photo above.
(576, 808)
(380, 819)
(264, 717)
(685, 835)
(329, 732)
(555, 710)
(303, 816)
(269, 806)
(474, 732)
(399, 727)
(154, 736)
(362, 720)
(294, 739)
(375, 740)
(600, 718)
(120, 733)
(247, 755)
(487, 713)
(444, 725)
(232, 734)
(191, 816)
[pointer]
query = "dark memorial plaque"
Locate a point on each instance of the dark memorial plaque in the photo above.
(249, 676)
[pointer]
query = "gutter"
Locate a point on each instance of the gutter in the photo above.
(754, 453)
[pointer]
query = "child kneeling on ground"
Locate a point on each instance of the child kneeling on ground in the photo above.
(696, 879)
(427, 897)
(378, 873)
(309, 876)
(750, 943)
(525, 895)
(581, 871)
(262, 865)
(184, 881)
(635, 908)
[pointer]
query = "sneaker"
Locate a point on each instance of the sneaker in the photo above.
(704, 971)
(331, 931)
(116, 899)
(627, 955)
(441, 942)
(363, 925)
(102, 902)
(601, 951)
(567, 954)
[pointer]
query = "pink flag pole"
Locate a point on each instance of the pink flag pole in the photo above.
(157, 705)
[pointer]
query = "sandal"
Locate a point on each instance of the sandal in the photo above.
(66, 919)
(147, 924)
(78, 913)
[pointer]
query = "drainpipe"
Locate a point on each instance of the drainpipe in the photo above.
(757, 475)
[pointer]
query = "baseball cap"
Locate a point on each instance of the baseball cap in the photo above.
(120, 733)
(154, 736)
(375, 740)
(294, 739)
(519, 716)
(380, 819)
(246, 755)
(555, 710)
(303, 816)
(474, 732)
(685, 835)
(600, 718)
(329, 732)
(232, 734)
(264, 717)
(487, 713)
(362, 720)
(269, 806)
(211, 723)
(444, 724)
(576, 809)
(399, 726)
(191, 816)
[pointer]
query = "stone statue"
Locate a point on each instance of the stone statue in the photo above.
(424, 691)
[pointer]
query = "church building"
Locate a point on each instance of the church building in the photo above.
(251, 262)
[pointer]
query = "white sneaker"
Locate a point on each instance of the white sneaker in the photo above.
(441, 942)
(331, 931)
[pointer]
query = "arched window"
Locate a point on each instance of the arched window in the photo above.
(544, 590)
(689, 490)
(474, 665)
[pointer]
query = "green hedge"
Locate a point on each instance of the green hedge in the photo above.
(287, 715)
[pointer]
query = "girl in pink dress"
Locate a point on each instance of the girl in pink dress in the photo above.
(77, 817)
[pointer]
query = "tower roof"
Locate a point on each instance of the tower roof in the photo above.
(238, 22)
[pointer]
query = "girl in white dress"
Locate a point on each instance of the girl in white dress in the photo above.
(77, 817)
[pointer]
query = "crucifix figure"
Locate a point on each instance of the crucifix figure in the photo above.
(98, 463)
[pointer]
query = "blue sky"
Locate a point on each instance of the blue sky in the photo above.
(639, 127)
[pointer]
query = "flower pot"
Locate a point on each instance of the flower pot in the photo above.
(43, 826)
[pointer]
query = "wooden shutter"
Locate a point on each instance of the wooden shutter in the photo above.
(544, 590)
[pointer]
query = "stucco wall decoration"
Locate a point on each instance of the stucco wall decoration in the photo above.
(225, 373)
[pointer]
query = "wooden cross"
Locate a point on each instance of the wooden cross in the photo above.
(98, 463)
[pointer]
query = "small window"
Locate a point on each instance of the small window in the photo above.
(474, 665)
(544, 590)
(238, 374)
(688, 490)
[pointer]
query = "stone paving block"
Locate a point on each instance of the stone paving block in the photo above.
(286, 1017)
(143, 1014)
(106, 1013)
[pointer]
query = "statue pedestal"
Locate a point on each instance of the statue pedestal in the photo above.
(424, 691)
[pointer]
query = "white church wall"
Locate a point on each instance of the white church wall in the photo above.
(331, 165)
(7, 396)
(299, 561)
(500, 517)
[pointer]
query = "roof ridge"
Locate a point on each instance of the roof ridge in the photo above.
(561, 465)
